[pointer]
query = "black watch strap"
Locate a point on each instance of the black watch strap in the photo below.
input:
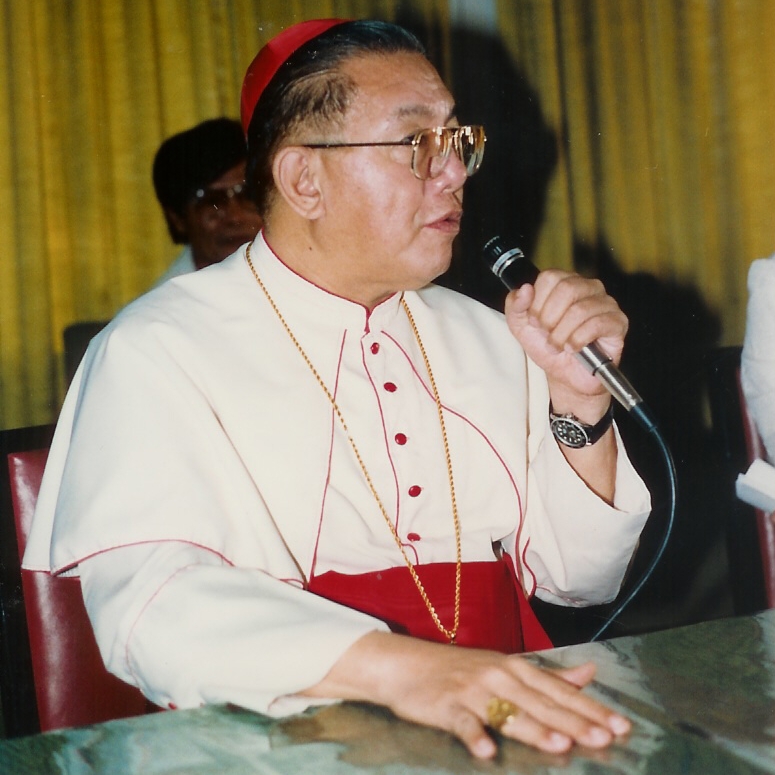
(572, 432)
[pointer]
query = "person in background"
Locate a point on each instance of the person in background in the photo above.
(199, 178)
(758, 358)
(309, 474)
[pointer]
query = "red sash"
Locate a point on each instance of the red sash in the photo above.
(494, 613)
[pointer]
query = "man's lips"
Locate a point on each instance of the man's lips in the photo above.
(448, 222)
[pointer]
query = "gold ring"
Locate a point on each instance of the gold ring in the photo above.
(500, 712)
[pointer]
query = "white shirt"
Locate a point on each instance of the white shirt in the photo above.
(183, 264)
(758, 359)
(196, 437)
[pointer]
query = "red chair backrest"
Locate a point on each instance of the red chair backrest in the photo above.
(765, 522)
(72, 686)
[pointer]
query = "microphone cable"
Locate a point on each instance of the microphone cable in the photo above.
(672, 482)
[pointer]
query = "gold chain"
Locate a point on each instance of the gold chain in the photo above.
(450, 634)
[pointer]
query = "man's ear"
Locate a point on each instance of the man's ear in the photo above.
(296, 179)
(177, 225)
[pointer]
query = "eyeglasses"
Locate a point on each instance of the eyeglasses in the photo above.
(431, 147)
(214, 201)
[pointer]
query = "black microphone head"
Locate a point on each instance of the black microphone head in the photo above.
(508, 264)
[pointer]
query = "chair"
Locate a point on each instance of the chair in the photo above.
(750, 534)
(51, 672)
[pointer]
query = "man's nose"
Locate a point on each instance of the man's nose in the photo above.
(454, 174)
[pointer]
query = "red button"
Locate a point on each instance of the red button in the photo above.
(415, 490)
(375, 348)
(401, 439)
(172, 706)
(413, 536)
(390, 387)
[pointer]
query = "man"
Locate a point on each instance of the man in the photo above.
(271, 475)
(199, 178)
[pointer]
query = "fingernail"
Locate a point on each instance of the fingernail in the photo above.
(559, 742)
(597, 736)
(484, 748)
(620, 725)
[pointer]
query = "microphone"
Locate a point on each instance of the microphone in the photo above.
(514, 270)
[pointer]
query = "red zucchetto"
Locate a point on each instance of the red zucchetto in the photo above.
(269, 59)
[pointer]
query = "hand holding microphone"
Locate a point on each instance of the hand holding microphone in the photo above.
(514, 270)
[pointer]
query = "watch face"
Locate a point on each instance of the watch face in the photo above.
(570, 432)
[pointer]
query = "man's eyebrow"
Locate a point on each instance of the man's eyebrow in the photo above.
(421, 111)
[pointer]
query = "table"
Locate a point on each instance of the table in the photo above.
(702, 699)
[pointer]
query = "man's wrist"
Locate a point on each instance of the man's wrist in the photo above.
(573, 432)
(589, 408)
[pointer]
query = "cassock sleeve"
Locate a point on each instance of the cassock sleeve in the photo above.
(574, 548)
(187, 628)
(579, 549)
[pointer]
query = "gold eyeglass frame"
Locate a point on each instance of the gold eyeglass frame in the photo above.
(447, 138)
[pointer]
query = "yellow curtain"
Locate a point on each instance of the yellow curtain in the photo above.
(663, 113)
(91, 88)
(665, 117)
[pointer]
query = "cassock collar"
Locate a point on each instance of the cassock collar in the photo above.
(288, 287)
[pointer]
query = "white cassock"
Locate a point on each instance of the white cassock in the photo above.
(199, 476)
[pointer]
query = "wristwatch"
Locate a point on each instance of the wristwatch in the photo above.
(572, 432)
